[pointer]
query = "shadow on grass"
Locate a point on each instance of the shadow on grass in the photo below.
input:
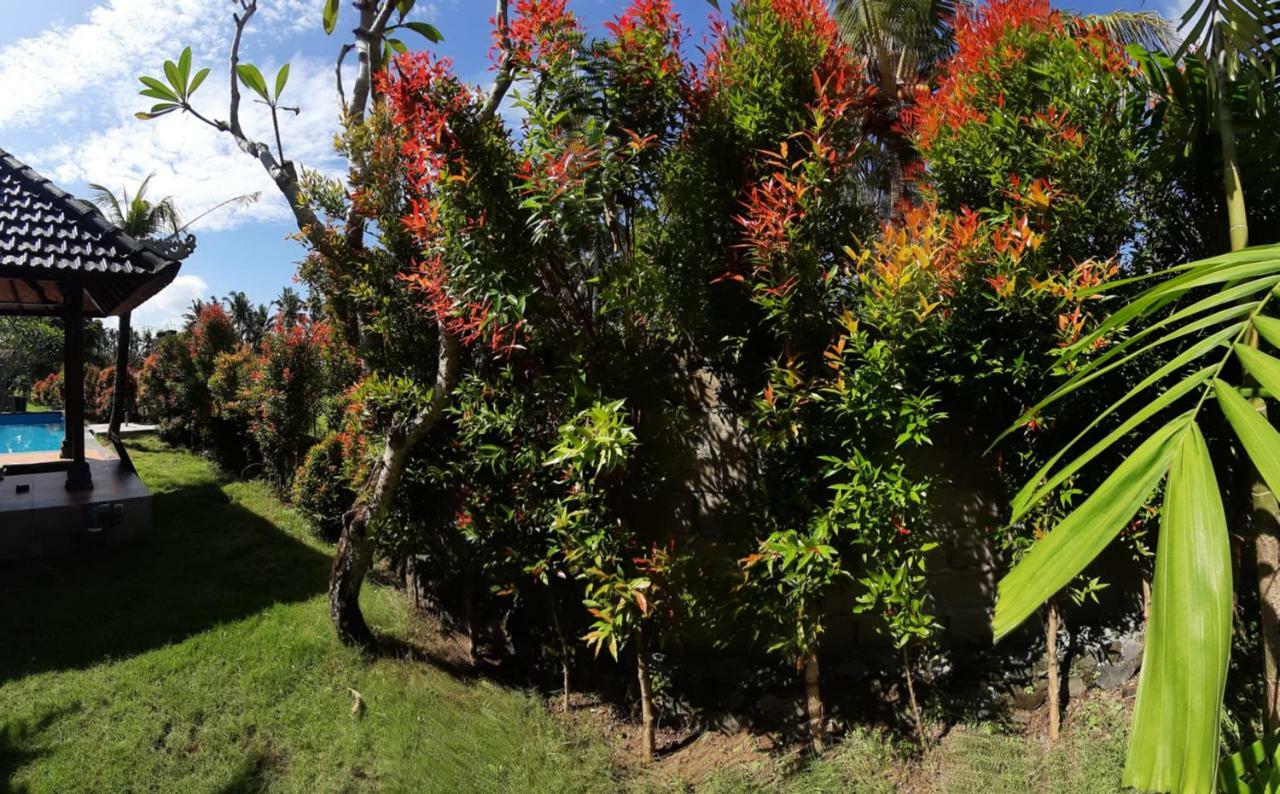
(206, 561)
(18, 746)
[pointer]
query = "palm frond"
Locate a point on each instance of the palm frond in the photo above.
(1146, 29)
(1217, 28)
(108, 203)
(1181, 374)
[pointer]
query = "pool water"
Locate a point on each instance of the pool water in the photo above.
(33, 432)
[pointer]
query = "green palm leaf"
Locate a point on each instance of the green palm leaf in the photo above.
(1061, 555)
(1029, 496)
(1259, 439)
(1268, 328)
(1174, 744)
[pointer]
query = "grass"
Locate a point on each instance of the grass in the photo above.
(201, 659)
(976, 759)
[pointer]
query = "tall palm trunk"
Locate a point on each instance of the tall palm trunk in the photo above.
(1266, 511)
(120, 397)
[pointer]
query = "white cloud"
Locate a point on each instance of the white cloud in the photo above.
(198, 165)
(1174, 9)
(165, 309)
(64, 68)
(77, 86)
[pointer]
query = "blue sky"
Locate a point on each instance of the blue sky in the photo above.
(68, 92)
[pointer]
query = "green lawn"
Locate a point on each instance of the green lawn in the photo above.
(201, 659)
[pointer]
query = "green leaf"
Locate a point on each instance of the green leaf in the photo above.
(330, 15)
(1259, 438)
(167, 96)
(282, 78)
(1261, 366)
(397, 45)
(1030, 495)
(195, 83)
(1254, 767)
(1174, 743)
(252, 79)
(1268, 328)
(430, 32)
(1060, 556)
(184, 68)
(161, 91)
(171, 74)
(1235, 266)
(1092, 372)
(1230, 295)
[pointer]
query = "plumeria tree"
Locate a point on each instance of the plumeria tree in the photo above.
(335, 228)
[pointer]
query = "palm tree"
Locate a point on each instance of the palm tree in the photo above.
(1194, 330)
(143, 220)
(903, 42)
(290, 307)
(249, 320)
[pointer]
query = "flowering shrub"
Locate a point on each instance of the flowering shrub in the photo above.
(321, 487)
(230, 441)
(285, 390)
(48, 391)
(1034, 121)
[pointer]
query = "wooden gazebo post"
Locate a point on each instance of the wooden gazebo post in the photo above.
(78, 476)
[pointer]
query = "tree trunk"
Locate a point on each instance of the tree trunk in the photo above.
(119, 399)
(911, 697)
(1055, 684)
(469, 616)
(1266, 511)
(1267, 550)
(813, 702)
(564, 643)
(648, 738)
(355, 545)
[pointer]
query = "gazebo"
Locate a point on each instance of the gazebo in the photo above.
(60, 257)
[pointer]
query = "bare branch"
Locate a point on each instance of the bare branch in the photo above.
(337, 75)
(369, 37)
(501, 80)
(248, 8)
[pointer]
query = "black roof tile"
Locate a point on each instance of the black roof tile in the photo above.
(44, 227)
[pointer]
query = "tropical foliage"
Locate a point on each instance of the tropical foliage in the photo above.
(697, 329)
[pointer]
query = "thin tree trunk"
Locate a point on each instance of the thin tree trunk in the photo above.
(469, 615)
(564, 644)
(1267, 550)
(1266, 511)
(813, 702)
(648, 738)
(911, 698)
(120, 396)
(1055, 684)
(355, 548)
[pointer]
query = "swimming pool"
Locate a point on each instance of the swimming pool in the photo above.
(32, 432)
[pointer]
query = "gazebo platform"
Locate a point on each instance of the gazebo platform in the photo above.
(40, 517)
